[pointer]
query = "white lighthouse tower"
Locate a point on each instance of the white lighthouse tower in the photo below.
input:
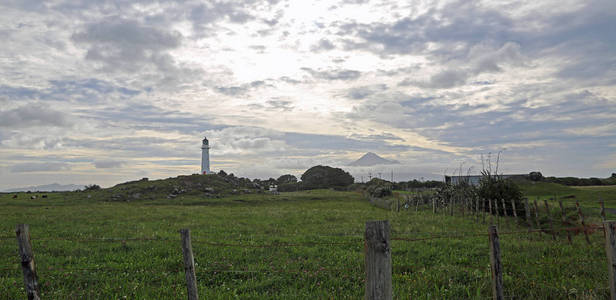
(205, 157)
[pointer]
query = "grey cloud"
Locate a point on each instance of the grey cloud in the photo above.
(128, 45)
(278, 104)
(460, 21)
(336, 142)
(144, 116)
(208, 13)
(323, 45)
(107, 164)
(33, 115)
(83, 90)
(377, 137)
(18, 93)
(40, 167)
(334, 74)
(232, 90)
(241, 89)
(362, 92)
(448, 79)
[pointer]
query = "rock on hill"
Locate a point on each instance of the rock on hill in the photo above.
(371, 159)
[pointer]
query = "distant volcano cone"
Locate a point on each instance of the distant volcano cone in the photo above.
(371, 159)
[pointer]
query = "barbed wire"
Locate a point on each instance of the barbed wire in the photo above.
(587, 228)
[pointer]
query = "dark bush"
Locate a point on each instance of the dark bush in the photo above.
(319, 177)
(379, 188)
(289, 187)
(535, 176)
(493, 187)
(287, 178)
(92, 187)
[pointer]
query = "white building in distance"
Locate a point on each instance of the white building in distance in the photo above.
(205, 157)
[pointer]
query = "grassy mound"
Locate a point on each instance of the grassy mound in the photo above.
(210, 186)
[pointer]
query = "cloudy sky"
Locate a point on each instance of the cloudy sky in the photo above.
(108, 91)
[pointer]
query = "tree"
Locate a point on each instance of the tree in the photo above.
(287, 178)
(535, 176)
(319, 177)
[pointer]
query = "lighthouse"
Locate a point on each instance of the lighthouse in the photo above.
(205, 157)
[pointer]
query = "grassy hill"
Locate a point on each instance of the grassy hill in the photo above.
(586, 195)
(300, 245)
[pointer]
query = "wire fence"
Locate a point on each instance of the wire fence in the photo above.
(403, 268)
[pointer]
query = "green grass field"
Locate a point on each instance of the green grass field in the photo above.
(588, 196)
(304, 245)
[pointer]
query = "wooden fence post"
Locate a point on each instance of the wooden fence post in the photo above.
(579, 209)
(515, 213)
(547, 208)
(417, 204)
(504, 208)
(564, 220)
(537, 217)
(495, 264)
(527, 211)
(483, 209)
(602, 211)
(189, 265)
(27, 261)
(378, 261)
(434, 205)
(610, 250)
(477, 210)
(491, 216)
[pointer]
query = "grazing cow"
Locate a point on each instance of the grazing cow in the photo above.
(44, 196)
(15, 196)
(33, 197)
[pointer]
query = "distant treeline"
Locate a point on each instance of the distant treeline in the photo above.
(582, 181)
(415, 184)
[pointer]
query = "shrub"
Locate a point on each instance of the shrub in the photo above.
(91, 187)
(287, 178)
(319, 177)
(379, 188)
(289, 187)
(493, 187)
(535, 176)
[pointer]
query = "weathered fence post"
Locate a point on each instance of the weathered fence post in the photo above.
(27, 261)
(564, 220)
(579, 209)
(378, 260)
(603, 216)
(477, 210)
(433, 205)
(527, 211)
(504, 208)
(610, 250)
(515, 213)
(483, 209)
(189, 265)
(547, 208)
(537, 217)
(491, 216)
(495, 263)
